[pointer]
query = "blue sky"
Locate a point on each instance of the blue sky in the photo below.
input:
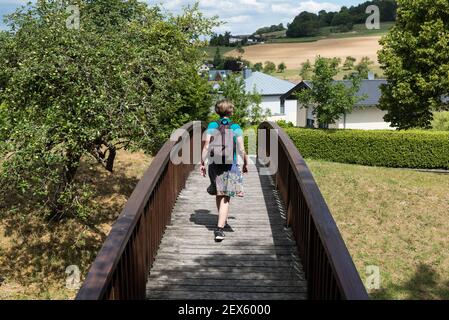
(241, 16)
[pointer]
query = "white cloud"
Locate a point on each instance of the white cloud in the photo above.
(311, 6)
(254, 4)
(246, 16)
(15, 2)
(242, 16)
(173, 4)
(239, 19)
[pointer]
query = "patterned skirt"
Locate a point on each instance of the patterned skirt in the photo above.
(225, 180)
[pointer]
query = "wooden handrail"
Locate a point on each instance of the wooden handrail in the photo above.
(121, 268)
(329, 269)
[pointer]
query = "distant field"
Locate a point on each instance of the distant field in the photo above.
(275, 34)
(289, 74)
(293, 54)
(210, 51)
(359, 30)
(293, 74)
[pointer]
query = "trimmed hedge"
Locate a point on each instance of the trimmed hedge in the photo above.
(400, 149)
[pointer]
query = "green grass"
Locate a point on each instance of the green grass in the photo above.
(396, 219)
(210, 51)
(288, 74)
(359, 30)
(293, 74)
(275, 34)
(297, 40)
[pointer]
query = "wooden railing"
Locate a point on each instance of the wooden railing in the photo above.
(328, 266)
(121, 269)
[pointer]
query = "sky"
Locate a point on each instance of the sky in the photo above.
(240, 16)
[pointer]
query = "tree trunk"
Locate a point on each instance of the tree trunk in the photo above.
(67, 176)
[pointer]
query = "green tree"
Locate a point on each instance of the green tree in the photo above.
(120, 81)
(342, 21)
(256, 113)
(329, 98)
(440, 121)
(258, 66)
(217, 58)
(285, 124)
(305, 24)
(306, 70)
(349, 63)
(282, 67)
(269, 67)
(363, 67)
(415, 59)
(247, 104)
(325, 18)
(226, 38)
(272, 28)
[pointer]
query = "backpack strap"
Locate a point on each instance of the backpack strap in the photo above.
(234, 144)
(229, 123)
(220, 122)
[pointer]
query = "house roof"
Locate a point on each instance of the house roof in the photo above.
(368, 88)
(267, 85)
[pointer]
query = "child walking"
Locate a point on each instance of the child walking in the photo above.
(224, 141)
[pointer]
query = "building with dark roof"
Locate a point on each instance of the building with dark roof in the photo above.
(271, 89)
(278, 96)
(365, 115)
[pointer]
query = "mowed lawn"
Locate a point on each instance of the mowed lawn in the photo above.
(396, 219)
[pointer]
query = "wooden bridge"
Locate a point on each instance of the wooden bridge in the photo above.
(281, 242)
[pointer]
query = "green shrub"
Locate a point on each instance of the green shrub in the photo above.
(441, 121)
(285, 124)
(402, 149)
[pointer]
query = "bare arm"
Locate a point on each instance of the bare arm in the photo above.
(241, 150)
(204, 153)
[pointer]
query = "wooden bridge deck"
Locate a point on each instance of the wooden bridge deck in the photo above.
(257, 260)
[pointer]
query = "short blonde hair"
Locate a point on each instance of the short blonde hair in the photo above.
(224, 108)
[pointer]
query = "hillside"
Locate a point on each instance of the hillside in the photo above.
(359, 30)
(210, 51)
(294, 54)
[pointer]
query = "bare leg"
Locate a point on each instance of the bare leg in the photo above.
(218, 200)
(223, 210)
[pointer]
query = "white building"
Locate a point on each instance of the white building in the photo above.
(234, 40)
(271, 89)
(365, 115)
(278, 96)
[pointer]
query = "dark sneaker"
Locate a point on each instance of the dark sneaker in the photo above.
(219, 234)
